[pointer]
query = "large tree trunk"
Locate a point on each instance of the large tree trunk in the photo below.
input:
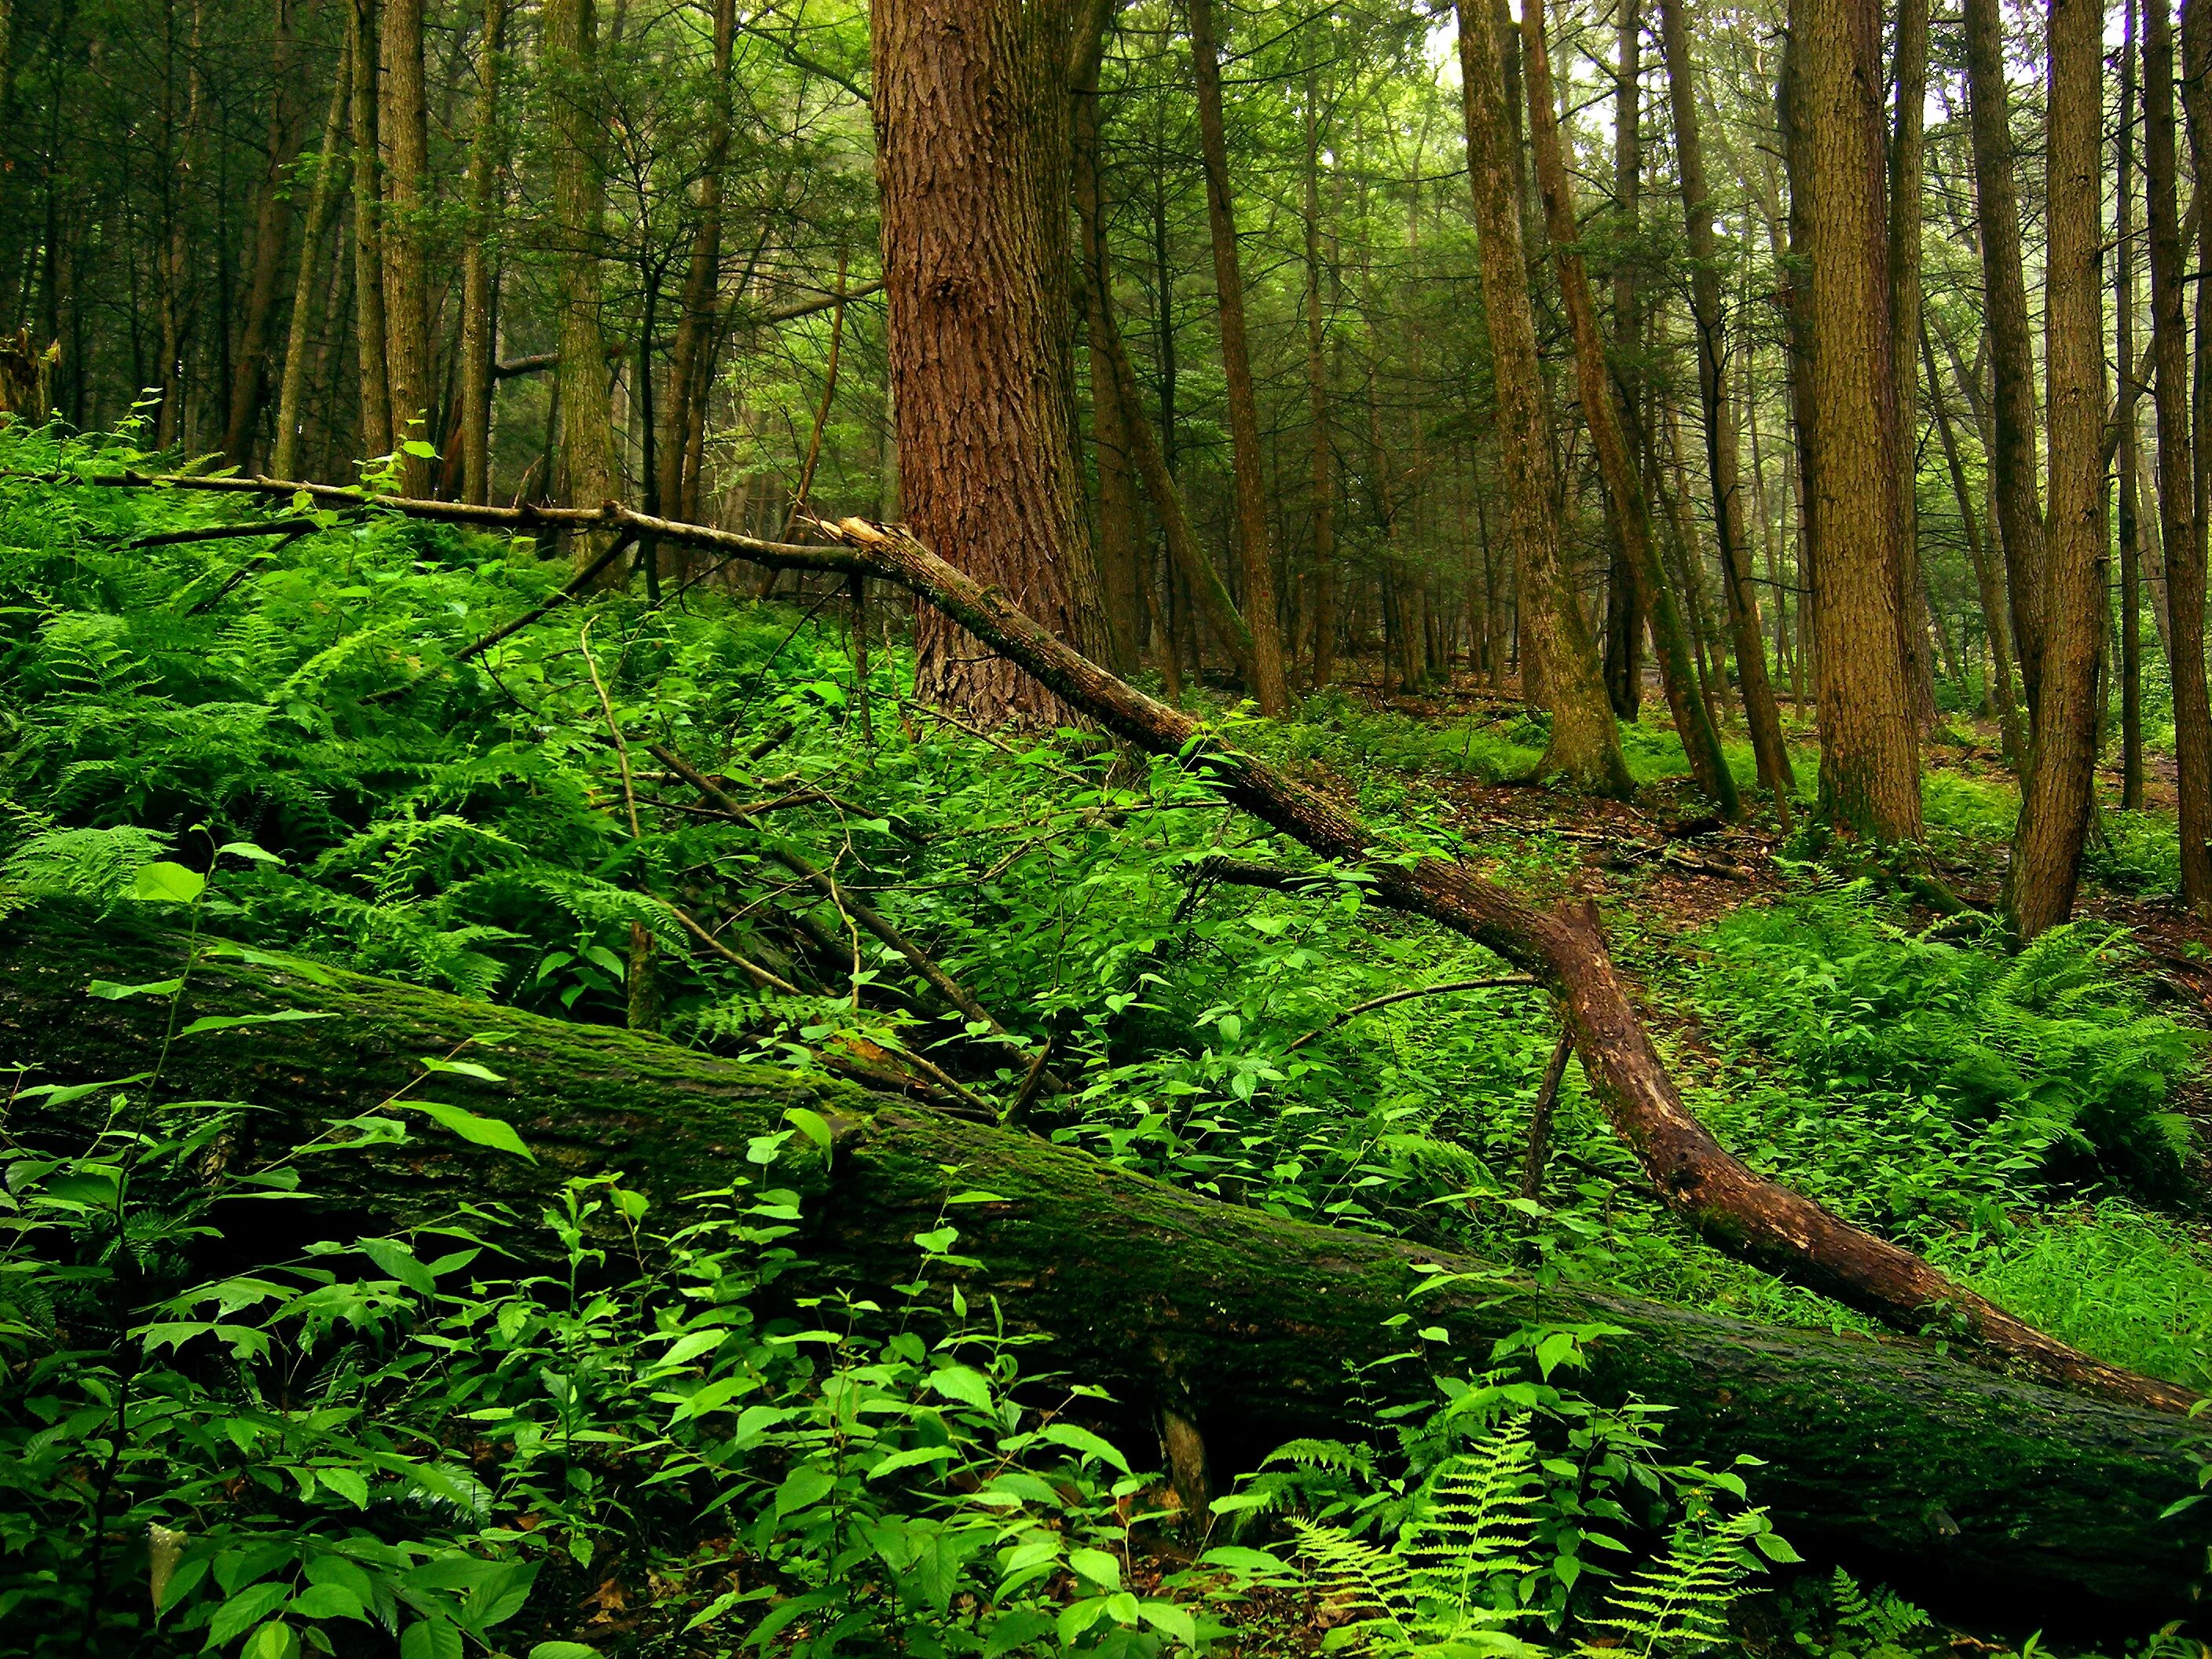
(1996, 195)
(479, 279)
(1955, 1482)
(376, 432)
(2179, 460)
(1761, 712)
(322, 205)
(1601, 414)
(2055, 798)
(971, 119)
(1869, 747)
(404, 127)
(1585, 741)
(273, 232)
(1255, 547)
(584, 465)
(1908, 213)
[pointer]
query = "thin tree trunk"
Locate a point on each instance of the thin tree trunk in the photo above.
(322, 204)
(272, 229)
(2055, 800)
(2020, 515)
(971, 122)
(584, 471)
(688, 379)
(1624, 611)
(1601, 414)
(1761, 712)
(376, 433)
(479, 278)
(1907, 171)
(1324, 508)
(1584, 745)
(2124, 304)
(1255, 547)
(2181, 530)
(1869, 747)
(403, 129)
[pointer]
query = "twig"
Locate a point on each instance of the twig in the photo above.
(1539, 1120)
(1388, 998)
(758, 975)
(614, 730)
(223, 532)
(576, 584)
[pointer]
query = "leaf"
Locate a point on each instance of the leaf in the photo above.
(1166, 1616)
(330, 1599)
(812, 1125)
(348, 1484)
(402, 1263)
(563, 1650)
(1082, 1440)
(806, 1485)
(240, 1613)
(164, 883)
(461, 1068)
(272, 1641)
(1018, 1629)
(109, 990)
(246, 849)
(228, 1022)
(430, 1638)
(910, 1458)
(964, 1383)
(1100, 1568)
(1237, 1559)
(494, 1133)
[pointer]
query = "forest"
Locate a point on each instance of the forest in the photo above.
(1138, 829)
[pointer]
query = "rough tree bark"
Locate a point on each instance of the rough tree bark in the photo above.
(1624, 612)
(1869, 740)
(1585, 741)
(1907, 171)
(1996, 195)
(2055, 798)
(404, 127)
(971, 120)
(1601, 415)
(584, 465)
(1952, 1479)
(1761, 712)
(322, 206)
(1255, 546)
(2123, 341)
(479, 281)
(273, 232)
(367, 221)
(695, 325)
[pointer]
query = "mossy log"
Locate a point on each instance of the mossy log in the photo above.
(1969, 1484)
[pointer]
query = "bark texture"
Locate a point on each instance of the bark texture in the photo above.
(2182, 538)
(405, 129)
(273, 232)
(2055, 798)
(1869, 745)
(368, 231)
(322, 206)
(1907, 172)
(1585, 742)
(479, 279)
(584, 473)
(971, 120)
(1956, 1483)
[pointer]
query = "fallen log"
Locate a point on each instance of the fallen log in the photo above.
(1967, 1486)
(1727, 1203)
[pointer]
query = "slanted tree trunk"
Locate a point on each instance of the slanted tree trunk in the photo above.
(1601, 414)
(1762, 714)
(2182, 529)
(1121, 578)
(322, 206)
(404, 128)
(272, 233)
(585, 463)
(1255, 546)
(1907, 212)
(376, 431)
(1996, 195)
(1972, 1484)
(971, 120)
(1584, 746)
(2055, 798)
(1869, 740)
(479, 277)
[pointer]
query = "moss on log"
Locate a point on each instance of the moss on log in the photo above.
(1969, 1485)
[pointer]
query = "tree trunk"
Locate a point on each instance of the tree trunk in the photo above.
(322, 204)
(2055, 800)
(585, 463)
(1869, 748)
(1584, 746)
(272, 231)
(1969, 1484)
(376, 433)
(403, 129)
(2124, 304)
(1323, 505)
(695, 329)
(971, 120)
(2020, 515)
(1601, 413)
(1762, 714)
(1624, 614)
(479, 279)
(1255, 547)
(1120, 577)
(2180, 457)
(1907, 170)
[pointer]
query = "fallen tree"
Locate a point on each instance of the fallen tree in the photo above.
(1957, 1481)
(1723, 1199)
